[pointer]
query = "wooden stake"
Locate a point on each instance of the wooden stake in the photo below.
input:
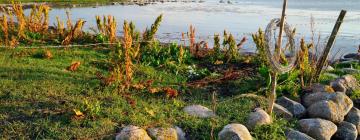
(272, 96)
(282, 22)
(329, 44)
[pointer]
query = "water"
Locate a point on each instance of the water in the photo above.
(241, 18)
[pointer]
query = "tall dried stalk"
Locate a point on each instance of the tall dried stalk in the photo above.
(303, 61)
(217, 46)
(5, 30)
(21, 18)
(74, 33)
(38, 20)
(69, 24)
(259, 39)
(149, 34)
(191, 36)
(60, 26)
(107, 27)
(181, 54)
(127, 43)
(232, 52)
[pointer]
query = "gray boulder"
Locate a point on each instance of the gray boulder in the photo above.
(347, 84)
(295, 108)
(354, 117)
(282, 112)
(162, 133)
(234, 132)
(257, 118)
(316, 97)
(316, 87)
(292, 134)
(199, 111)
(329, 106)
(346, 131)
(355, 56)
(132, 133)
(318, 128)
(180, 133)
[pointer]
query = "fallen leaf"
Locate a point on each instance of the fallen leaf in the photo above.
(78, 114)
(74, 66)
(48, 54)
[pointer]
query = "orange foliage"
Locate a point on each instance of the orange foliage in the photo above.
(74, 66)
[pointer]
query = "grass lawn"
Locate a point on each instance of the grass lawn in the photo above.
(38, 97)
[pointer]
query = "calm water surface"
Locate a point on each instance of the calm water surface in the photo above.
(240, 17)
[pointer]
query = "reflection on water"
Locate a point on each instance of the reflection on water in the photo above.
(240, 17)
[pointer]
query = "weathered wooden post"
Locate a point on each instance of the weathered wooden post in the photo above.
(275, 65)
(324, 56)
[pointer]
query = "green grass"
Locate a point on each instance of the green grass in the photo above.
(38, 96)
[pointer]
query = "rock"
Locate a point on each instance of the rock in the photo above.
(331, 75)
(163, 133)
(199, 111)
(350, 71)
(318, 129)
(356, 103)
(234, 132)
(180, 133)
(316, 87)
(346, 59)
(347, 84)
(292, 134)
(348, 62)
(354, 117)
(257, 118)
(329, 106)
(295, 108)
(337, 97)
(132, 133)
(355, 56)
(346, 131)
(282, 112)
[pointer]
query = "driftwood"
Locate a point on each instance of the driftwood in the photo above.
(329, 44)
